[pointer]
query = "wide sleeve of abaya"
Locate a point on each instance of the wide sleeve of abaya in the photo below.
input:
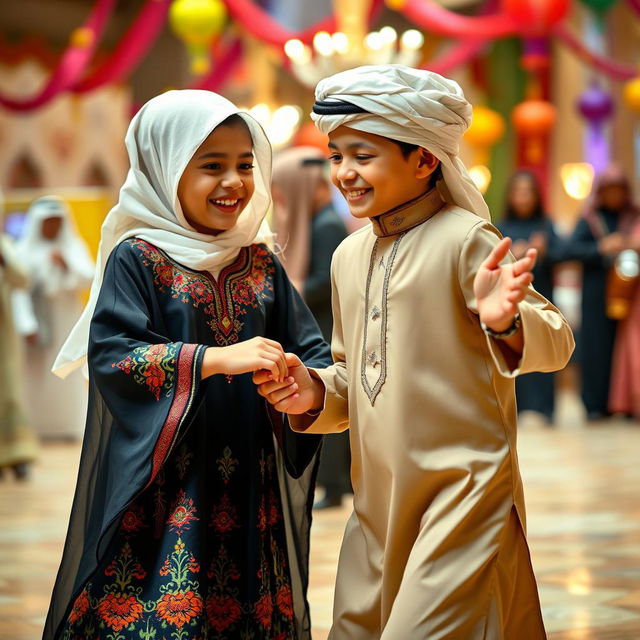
(147, 380)
(295, 328)
(143, 387)
(548, 339)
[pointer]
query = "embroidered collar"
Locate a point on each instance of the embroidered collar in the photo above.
(408, 215)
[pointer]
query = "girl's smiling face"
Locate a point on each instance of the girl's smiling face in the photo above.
(218, 182)
(373, 174)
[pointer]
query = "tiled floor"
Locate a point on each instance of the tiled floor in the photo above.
(583, 495)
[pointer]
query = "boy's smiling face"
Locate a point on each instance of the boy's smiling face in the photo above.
(372, 173)
(218, 182)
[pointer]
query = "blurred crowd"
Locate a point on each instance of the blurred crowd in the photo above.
(46, 270)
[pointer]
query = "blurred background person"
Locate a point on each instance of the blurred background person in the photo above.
(624, 396)
(526, 223)
(309, 230)
(60, 269)
(600, 235)
(18, 442)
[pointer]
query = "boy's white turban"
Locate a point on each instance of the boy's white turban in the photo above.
(411, 105)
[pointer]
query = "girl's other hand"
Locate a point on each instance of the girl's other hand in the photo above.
(246, 357)
(298, 393)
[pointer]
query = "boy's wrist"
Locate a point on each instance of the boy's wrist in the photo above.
(503, 329)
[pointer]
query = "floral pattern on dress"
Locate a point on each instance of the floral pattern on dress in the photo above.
(152, 366)
(177, 599)
(240, 286)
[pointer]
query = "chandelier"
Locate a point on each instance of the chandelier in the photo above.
(351, 46)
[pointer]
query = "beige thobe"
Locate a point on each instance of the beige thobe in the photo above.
(435, 547)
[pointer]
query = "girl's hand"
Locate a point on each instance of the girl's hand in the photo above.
(499, 288)
(296, 394)
(246, 357)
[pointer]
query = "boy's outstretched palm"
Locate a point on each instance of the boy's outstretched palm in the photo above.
(500, 287)
(297, 394)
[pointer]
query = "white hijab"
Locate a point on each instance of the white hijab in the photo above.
(34, 251)
(411, 105)
(160, 141)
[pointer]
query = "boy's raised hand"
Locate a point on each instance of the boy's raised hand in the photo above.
(297, 394)
(500, 287)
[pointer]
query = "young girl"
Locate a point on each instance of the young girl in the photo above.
(192, 510)
(60, 268)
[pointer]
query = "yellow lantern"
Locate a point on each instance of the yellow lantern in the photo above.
(632, 94)
(197, 22)
(487, 127)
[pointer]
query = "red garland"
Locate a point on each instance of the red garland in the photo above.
(429, 15)
(261, 25)
(73, 64)
(606, 65)
(138, 39)
(222, 68)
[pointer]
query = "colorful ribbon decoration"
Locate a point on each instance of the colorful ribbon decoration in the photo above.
(138, 39)
(74, 60)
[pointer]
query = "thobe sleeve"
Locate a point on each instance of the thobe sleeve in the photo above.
(548, 339)
(334, 415)
(295, 328)
(148, 382)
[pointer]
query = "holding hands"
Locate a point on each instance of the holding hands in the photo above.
(500, 287)
(296, 394)
(281, 377)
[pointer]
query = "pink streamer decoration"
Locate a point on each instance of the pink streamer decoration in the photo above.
(606, 65)
(73, 64)
(463, 51)
(456, 56)
(430, 16)
(138, 39)
(634, 4)
(222, 69)
(262, 26)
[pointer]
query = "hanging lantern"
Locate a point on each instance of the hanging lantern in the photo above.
(197, 22)
(536, 17)
(487, 127)
(533, 120)
(631, 94)
(309, 135)
(597, 107)
(535, 55)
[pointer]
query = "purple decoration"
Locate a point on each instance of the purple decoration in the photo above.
(595, 105)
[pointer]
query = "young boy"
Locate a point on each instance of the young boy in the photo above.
(430, 330)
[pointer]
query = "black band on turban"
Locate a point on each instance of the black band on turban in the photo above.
(336, 108)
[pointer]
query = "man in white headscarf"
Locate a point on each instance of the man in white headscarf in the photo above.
(432, 323)
(60, 268)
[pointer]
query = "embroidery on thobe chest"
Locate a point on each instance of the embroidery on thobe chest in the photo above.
(373, 369)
